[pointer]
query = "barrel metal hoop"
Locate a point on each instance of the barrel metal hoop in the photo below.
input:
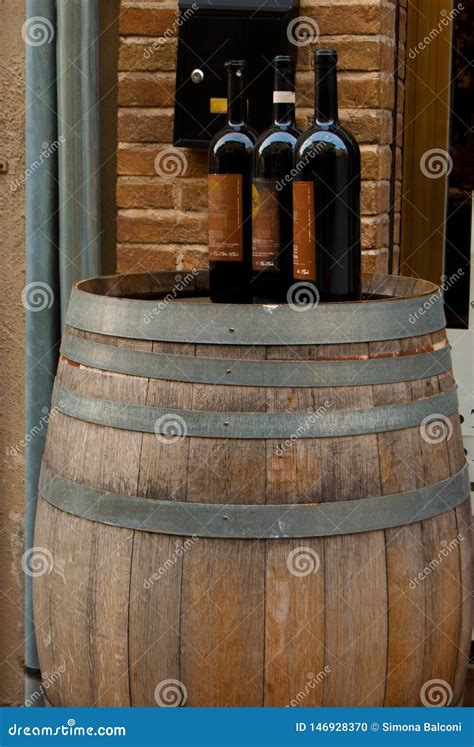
(247, 324)
(193, 369)
(250, 521)
(321, 423)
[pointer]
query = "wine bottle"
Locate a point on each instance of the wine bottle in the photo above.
(230, 189)
(326, 196)
(272, 195)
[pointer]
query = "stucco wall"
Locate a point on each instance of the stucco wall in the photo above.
(12, 260)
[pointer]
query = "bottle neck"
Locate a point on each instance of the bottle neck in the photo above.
(283, 108)
(325, 95)
(284, 94)
(236, 97)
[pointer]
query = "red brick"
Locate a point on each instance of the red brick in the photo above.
(161, 227)
(403, 26)
(396, 228)
(303, 120)
(399, 130)
(139, 160)
(144, 126)
(387, 56)
(374, 232)
(398, 164)
(367, 125)
(152, 235)
(397, 197)
(355, 90)
(146, 89)
(376, 162)
(375, 261)
(191, 194)
(144, 21)
(191, 258)
(365, 54)
(375, 197)
(401, 97)
(365, 17)
(402, 58)
(387, 91)
(144, 193)
(396, 259)
(145, 258)
(136, 160)
(139, 56)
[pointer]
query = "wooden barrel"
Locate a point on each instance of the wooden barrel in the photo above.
(253, 505)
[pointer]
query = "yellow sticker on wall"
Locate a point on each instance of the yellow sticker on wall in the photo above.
(218, 106)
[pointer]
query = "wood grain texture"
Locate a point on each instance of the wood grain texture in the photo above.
(223, 584)
(426, 128)
(294, 623)
(403, 549)
(464, 527)
(222, 610)
(363, 619)
(154, 614)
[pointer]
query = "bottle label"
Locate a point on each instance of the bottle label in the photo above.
(265, 225)
(304, 231)
(225, 218)
(284, 97)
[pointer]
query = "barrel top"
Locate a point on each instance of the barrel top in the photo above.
(175, 307)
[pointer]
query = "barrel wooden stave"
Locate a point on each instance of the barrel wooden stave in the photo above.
(227, 619)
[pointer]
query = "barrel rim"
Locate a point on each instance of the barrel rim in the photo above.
(202, 282)
(177, 319)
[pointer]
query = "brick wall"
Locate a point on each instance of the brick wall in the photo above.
(162, 223)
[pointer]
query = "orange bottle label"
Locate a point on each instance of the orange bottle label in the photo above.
(304, 231)
(225, 218)
(265, 225)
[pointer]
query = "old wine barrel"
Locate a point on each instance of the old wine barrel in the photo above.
(253, 505)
